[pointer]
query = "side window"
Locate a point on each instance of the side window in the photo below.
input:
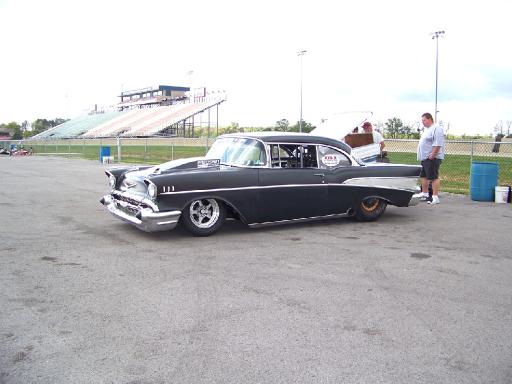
(331, 158)
(293, 156)
(309, 155)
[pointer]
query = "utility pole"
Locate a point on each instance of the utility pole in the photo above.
(300, 54)
(435, 36)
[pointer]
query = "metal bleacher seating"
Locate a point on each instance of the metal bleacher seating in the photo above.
(77, 126)
(136, 122)
(168, 116)
(119, 124)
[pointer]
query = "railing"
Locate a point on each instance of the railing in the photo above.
(454, 172)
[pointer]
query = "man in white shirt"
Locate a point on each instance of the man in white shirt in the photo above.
(377, 137)
(430, 153)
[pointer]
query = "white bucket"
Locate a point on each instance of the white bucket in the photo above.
(110, 160)
(500, 194)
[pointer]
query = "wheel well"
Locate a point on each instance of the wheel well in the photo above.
(376, 197)
(232, 211)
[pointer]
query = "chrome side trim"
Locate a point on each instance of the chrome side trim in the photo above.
(407, 183)
(302, 219)
(244, 188)
(402, 183)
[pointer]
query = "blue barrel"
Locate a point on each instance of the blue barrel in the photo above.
(104, 151)
(484, 177)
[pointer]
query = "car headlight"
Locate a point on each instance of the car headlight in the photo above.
(152, 191)
(112, 181)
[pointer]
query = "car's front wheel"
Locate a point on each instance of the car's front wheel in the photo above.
(370, 209)
(204, 217)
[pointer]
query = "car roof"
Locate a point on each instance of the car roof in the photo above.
(291, 137)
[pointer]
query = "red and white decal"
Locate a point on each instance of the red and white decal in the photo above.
(330, 160)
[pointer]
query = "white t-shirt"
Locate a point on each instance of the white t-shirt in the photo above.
(377, 137)
(432, 136)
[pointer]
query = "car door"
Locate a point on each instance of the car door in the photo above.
(293, 188)
(337, 167)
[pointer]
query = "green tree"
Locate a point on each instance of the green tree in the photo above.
(58, 121)
(41, 125)
(406, 131)
(12, 128)
(232, 128)
(17, 136)
(394, 127)
(306, 127)
(282, 125)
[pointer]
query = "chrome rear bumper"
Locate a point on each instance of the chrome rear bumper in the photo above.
(143, 218)
(415, 199)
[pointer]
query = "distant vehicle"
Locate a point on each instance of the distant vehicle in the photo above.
(260, 179)
(21, 152)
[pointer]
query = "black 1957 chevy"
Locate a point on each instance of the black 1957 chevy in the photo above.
(259, 178)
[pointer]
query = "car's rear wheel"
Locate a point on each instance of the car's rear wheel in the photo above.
(204, 217)
(370, 209)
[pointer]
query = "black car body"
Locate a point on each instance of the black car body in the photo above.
(259, 178)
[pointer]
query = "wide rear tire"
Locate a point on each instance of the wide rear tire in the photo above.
(203, 217)
(370, 209)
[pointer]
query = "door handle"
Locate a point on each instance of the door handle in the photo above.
(319, 174)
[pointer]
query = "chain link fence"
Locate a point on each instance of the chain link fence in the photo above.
(454, 172)
(456, 166)
(127, 150)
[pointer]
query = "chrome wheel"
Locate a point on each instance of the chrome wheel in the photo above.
(204, 213)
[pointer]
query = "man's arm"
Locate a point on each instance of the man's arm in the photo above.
(438, 142)
(433, 154)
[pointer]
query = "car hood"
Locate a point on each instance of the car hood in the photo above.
(133, 178)
(339, 125)
(168, 167)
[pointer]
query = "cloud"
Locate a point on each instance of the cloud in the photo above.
(499, 82)
(419, 96)
(70, 55)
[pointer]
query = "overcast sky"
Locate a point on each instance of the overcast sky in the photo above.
(60, 58)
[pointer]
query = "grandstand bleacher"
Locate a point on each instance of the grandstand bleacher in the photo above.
(77, 126)
(149, 119)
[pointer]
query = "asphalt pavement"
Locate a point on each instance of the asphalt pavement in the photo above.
(424, 295)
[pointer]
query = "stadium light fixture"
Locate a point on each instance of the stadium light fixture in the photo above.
(435, 36)
(300, 54)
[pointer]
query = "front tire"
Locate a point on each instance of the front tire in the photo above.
(204, 217)
(370, 209)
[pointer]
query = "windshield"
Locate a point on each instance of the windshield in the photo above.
(238, 151)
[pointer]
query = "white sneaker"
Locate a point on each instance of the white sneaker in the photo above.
(422, 196)
(435, 200)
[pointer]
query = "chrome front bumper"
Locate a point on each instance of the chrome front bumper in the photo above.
(143, 218)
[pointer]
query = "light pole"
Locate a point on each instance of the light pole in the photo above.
(190, 74)
(300, 54)
(435, 36)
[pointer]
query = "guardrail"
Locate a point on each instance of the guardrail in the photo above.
(454, 172)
